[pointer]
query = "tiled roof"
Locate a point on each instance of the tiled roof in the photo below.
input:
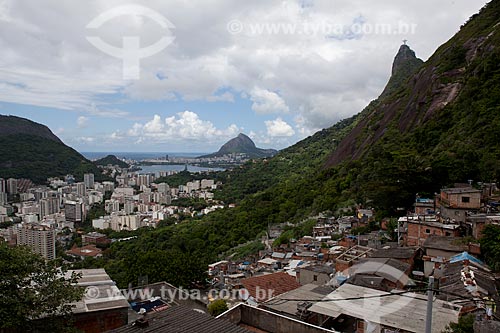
(85, 251)
(454, 282)
(263, 287)
(180, 319)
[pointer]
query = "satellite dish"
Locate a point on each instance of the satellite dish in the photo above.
(142, 311)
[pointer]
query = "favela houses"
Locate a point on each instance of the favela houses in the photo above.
(262, 166)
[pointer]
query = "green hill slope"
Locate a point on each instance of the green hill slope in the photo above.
(30, 150)
(242, 144)
(436, 124)
(111, 160)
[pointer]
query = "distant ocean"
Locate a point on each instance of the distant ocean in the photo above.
(138, 156)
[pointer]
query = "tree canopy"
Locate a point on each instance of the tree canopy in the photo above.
(33, 289)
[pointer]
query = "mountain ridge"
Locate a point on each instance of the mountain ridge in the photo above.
(16, 125)
(432, 127)
(111, 160)
(244, 145)
(30, 150)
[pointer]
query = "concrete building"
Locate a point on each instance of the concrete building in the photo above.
(101, 223)
(12, 186)
(207, 183)
(315, 274)
(81, 189)
(112, 206)
(74, 211)
(94, 238)
(129, 207)
(40, 238)
(420, 229)
(88, 179)
(3, 198)
(127, 222)
(3, 186)
(424, 206)
(108, 186)
(144, 180)
(107, 310)
(455, 203)
(476, 223)
(49, 206)
(163, 188)
(259, 320)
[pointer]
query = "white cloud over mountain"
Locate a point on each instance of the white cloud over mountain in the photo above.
(311, 63)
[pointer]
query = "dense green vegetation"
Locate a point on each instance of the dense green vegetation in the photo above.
(457, 142)
(111, 160)
(297, 163)
(32, 288)
(217, 307)
(242, 144)
(490, 246)
(465, 325)
(37, 158)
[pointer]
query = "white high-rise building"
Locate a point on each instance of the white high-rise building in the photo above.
(163, 188)
(207, 183)
(88, 179)
(3, 198)
(40, 238)
(129, 207)
(49, 206)
(81, 189)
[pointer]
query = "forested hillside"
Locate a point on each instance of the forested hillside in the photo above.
(436, 123)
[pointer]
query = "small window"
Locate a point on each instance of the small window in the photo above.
(315, 278)
(465, 199)
(427, 231)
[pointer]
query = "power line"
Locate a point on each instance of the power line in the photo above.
(400, 293)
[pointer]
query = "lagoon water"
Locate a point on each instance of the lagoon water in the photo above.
(174, 167)
(138, 156)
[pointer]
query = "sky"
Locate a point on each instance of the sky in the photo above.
(186, 76)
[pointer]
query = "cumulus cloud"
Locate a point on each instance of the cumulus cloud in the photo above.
(85, 139)
(279, 128)
(308, 70)
(185, 125)
(82, 121)
(265, 101)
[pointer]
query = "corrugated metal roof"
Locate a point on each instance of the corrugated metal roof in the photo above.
(287, 302)
(180, 319)
(406, 312)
